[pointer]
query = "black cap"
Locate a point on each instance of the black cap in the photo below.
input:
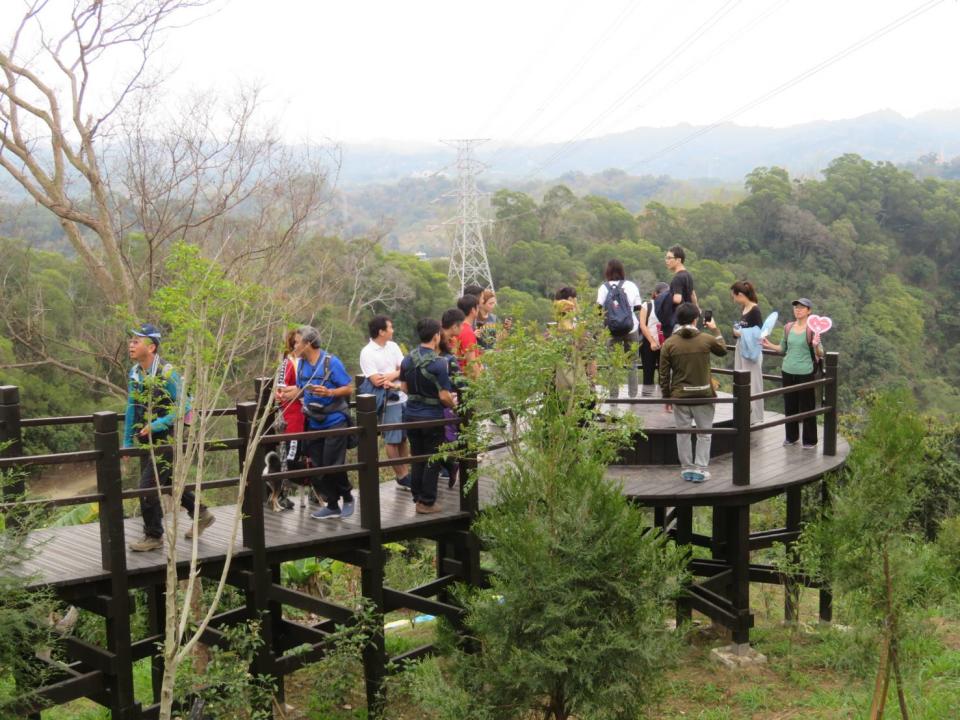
(803, 301)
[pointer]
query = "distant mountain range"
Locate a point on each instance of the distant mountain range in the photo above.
(726, 152)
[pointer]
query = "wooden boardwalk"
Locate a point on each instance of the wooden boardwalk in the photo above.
(91, 566)
(71, 555)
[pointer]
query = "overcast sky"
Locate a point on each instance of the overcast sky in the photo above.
(520, 71)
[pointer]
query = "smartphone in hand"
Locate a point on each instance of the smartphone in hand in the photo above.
(707, 315)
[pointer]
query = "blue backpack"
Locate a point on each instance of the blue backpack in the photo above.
(618, 315)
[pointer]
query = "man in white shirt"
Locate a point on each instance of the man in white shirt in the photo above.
(614, 277)
(380, 363)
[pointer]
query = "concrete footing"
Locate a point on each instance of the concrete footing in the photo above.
(737, 655)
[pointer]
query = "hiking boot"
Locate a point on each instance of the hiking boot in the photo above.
(348, 508)
(326, 513)
(403, 483)
(427, 509)
(207, 519)
(146, 544)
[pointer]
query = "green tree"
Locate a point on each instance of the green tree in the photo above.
(573, 623)
(866, 547)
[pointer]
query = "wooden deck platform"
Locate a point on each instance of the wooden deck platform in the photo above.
(71, 555)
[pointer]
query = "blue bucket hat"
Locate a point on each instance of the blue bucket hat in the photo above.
(148, 330)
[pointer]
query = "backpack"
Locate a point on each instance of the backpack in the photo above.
(421, 364)
(618, 315)
(663, 307)
(817, 359)
(653, 321)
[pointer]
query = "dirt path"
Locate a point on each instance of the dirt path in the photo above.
(63, 481)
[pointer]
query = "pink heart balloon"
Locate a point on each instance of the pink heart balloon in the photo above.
(819, 323)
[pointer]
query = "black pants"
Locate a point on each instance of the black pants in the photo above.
(798, 402)
(324, 452)
(650, 359)
(150, 503)
(423, 475)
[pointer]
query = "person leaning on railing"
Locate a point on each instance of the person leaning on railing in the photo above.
(802, 354)
(685, 373)
(425, 377)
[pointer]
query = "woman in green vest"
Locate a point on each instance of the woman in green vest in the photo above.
(802, 352)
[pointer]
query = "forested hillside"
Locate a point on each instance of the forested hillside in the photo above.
(876, 248)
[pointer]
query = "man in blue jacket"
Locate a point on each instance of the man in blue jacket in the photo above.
(153, 400)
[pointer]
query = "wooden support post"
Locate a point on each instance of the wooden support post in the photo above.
(738, 557)
(258, 593)
(741, 420)
(682, 538)
(830, 400)
(469, 499)
(718, 533)
(276, 615)
(156, 600)
(113, 552)
(11, 439)
(469, 549)
(791, 590)
(11, 445)
(371, 575)
(826, 596)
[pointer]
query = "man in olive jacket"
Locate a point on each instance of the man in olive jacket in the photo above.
(685, 373)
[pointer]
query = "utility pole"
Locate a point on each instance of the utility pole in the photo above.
(468, 256)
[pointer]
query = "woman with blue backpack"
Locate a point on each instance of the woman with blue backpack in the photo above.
(620, 300)
(802, 353)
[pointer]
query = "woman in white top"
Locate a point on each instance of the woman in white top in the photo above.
(615, 276)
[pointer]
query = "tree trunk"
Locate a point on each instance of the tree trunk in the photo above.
(170, 639)
(882, 681)
(892, 624)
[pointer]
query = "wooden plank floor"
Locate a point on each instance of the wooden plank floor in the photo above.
(71, 555)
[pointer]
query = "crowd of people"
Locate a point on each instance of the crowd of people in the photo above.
(664, 333)
(313, 386)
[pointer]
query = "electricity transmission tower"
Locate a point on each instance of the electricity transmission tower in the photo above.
(468, 256)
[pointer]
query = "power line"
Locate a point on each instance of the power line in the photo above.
(708, 24)
(716, 50)
(813, 70)
(537, 58)
(617, 23)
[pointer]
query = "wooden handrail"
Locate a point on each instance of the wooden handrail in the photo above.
(787, 389)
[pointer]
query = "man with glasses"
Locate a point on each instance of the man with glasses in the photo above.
(681, 289)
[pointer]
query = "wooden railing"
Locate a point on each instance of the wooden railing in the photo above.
(825, 388)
